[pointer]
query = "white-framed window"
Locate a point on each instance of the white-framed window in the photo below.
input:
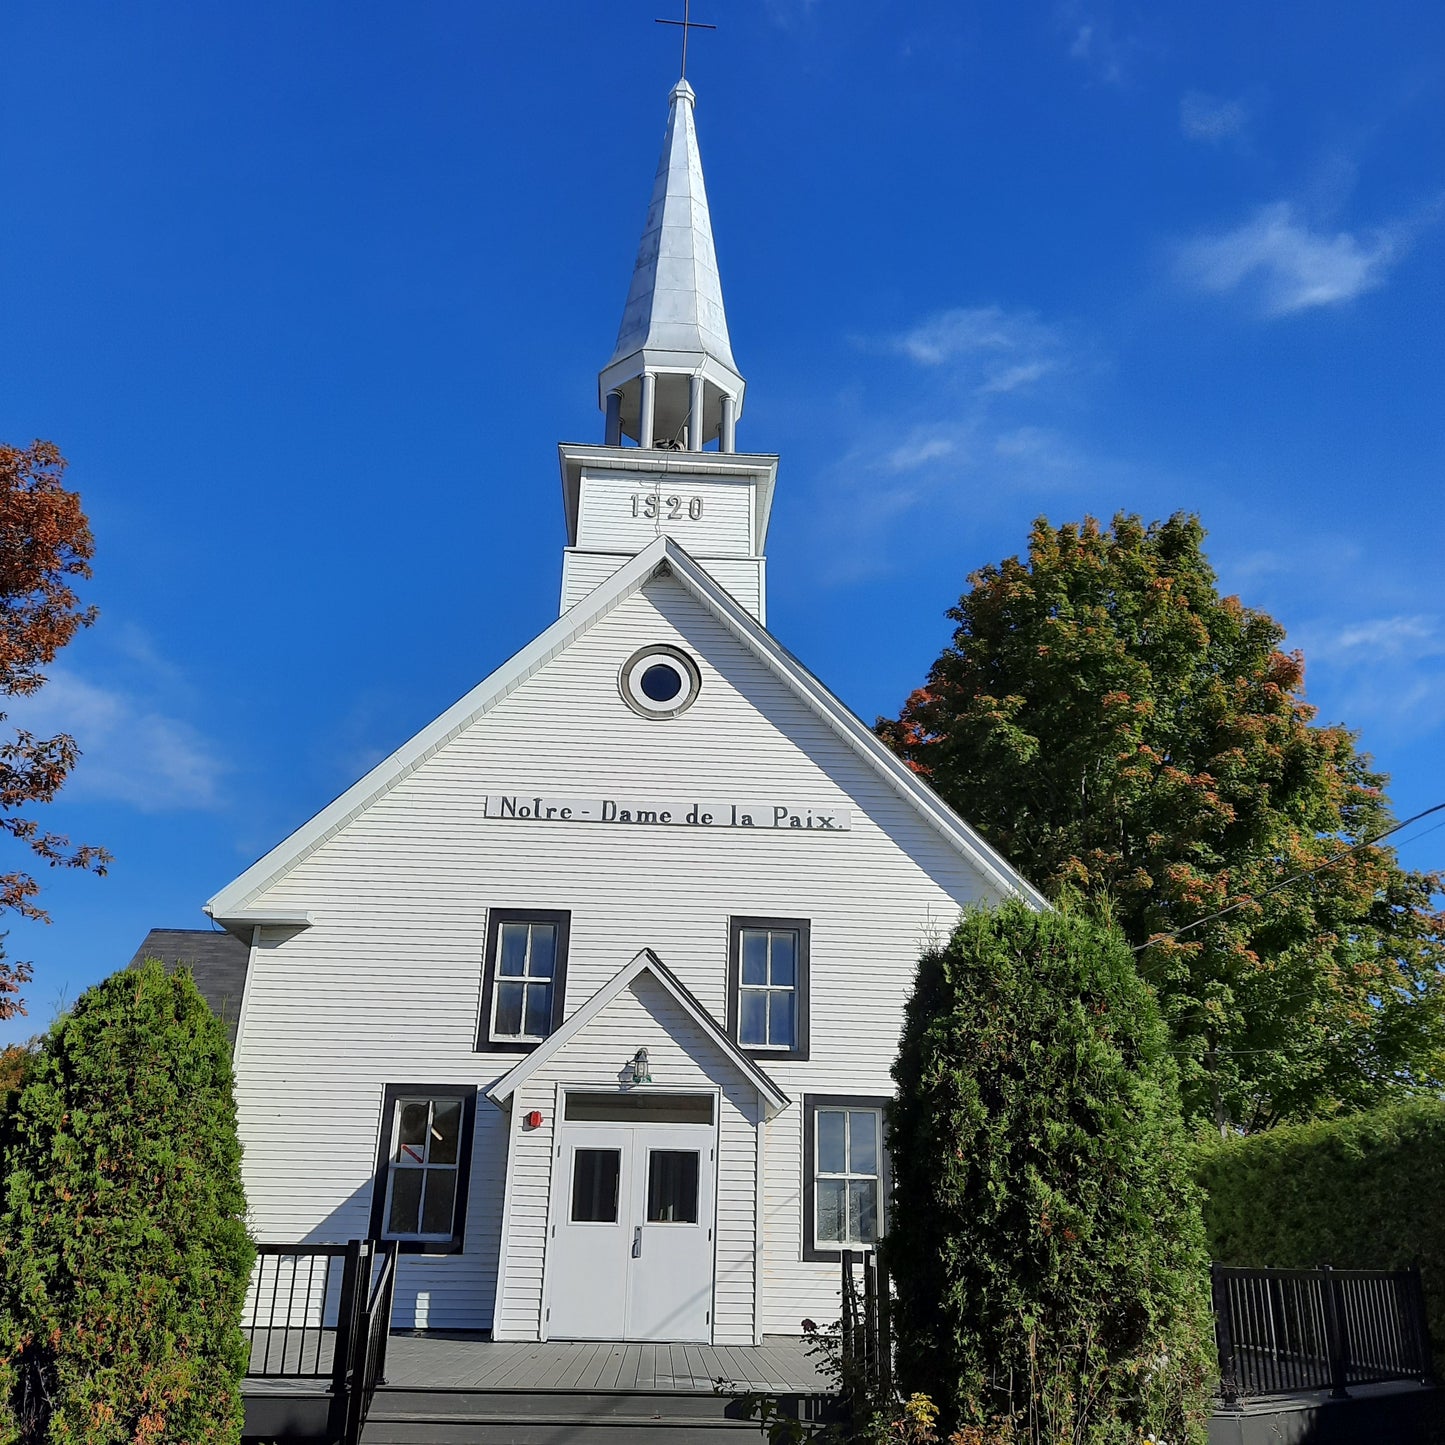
(421, 1186)
(526, 975)
(847, 1181)
(768, 985)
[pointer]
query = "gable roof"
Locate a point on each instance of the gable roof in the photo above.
(660, 557)
(645, 962)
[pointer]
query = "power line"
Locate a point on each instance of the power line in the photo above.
(1285, 882)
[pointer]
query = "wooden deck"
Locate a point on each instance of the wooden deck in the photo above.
(437, 1361)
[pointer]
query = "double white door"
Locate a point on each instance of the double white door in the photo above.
(630, 1255)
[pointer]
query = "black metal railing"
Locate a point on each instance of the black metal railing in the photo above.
(323, 1312)
(373, 1329)
(1291, 1331)
(866, 1330)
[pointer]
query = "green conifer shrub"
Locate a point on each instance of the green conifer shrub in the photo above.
(124, 1256)
(1045, 1240)
(1364, 1191)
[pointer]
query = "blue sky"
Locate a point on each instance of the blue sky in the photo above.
(308, 293)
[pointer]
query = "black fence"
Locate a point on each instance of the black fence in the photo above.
(1292, 1331)
(323, 1312)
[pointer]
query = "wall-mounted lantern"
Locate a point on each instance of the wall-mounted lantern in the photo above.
(641, 1073)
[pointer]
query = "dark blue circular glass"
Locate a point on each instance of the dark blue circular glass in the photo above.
(661, 682)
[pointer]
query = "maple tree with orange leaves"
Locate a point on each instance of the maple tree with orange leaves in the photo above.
(1125, 735)
(45, 547)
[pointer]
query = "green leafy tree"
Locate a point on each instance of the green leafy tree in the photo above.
(1121, 732)
(124, 1256)
(1045, 1240)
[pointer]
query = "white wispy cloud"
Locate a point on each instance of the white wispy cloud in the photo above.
(1290, 266)
(1211, 117)
(131, 752)
(919, 450)
(976, 411)
(1388, 672)
(1416, 636)
(986, 347)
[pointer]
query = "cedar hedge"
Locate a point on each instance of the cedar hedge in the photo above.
(1045, 1241)
(124, 1257)
(1364, 1191)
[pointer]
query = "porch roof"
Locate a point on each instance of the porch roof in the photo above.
(646, 961)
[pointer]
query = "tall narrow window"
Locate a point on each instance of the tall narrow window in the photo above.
(845, 1187)
(425, 1157)
(526, 975)
(768, 986)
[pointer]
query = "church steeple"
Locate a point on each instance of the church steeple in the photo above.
(672, 382)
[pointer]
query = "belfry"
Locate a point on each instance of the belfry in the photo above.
(673, 388)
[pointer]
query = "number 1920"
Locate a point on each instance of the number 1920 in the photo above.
(668, 509)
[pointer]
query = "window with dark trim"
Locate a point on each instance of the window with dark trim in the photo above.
(768, 986)
(524, 983)
(423, 1165)
(846, 1179)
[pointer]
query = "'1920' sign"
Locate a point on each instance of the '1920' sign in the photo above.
(689, 813)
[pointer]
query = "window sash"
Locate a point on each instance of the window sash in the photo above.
(768, 992)
(849, 1184)
(404, 1160)
(531, 988)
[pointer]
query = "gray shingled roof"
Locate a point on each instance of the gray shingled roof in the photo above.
(217, 960)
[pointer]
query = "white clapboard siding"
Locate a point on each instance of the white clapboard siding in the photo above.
(743, 577)
(385, 987)
(623, 514)
(646, 1016)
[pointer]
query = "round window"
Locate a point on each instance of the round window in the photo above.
(659, 681)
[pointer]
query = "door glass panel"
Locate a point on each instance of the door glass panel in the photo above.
(832, 1152)
(595, 1173)
(672, 1186)
(441, 1193)
(446, 1129)
(641, 1107)
(405, 1201)
(831, 1210)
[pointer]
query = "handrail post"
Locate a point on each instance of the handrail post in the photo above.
(392, 1251)
(1422, 1325)
(870, 1315)
(1336, 1334)
(346, 1313)
(1224, 1335)
(885, 1334)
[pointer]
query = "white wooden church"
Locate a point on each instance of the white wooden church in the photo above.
(588, 994)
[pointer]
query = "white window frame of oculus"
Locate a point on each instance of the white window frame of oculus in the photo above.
(525, 976)
(818, 1135)
(758, 985)
(427, 1155)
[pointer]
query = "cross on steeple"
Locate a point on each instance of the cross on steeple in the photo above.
(686, 25)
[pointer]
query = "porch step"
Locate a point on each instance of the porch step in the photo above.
(526, 1417)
